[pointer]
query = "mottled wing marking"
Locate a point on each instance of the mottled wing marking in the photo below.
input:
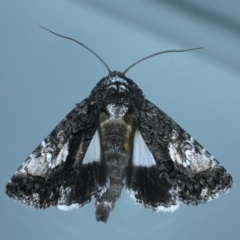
(54, 174)
(44, 158)
(190, 173)
(54, 149)
(190, 155)
(141, 154)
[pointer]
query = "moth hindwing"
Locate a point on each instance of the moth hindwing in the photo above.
(116, 137)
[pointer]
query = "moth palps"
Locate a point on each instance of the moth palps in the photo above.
(116, 138)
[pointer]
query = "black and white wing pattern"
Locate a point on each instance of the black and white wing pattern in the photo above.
(116, 137)
(181, 170)
(64, 170)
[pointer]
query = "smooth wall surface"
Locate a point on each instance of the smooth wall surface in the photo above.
(43, 76)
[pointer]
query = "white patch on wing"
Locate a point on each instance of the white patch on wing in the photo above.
(68, 208)
(64, 193)
(39, 162)
(141, 154)
(43, 144)
(33, 165)
(172, 208)
(61, 156)
(93, 152)
(204, 192)
(191, 155)
(49, 157)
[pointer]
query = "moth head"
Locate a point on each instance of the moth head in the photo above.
(118, 90)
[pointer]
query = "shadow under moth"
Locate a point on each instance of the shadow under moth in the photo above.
(116, 138)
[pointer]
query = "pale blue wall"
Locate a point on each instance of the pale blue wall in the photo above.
(43, 76)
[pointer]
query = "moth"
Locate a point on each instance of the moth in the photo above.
(116, 138)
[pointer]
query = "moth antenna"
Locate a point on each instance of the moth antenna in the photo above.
(90, 50)
(158, 53)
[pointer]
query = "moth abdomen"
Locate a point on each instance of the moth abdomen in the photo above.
(116, 139)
